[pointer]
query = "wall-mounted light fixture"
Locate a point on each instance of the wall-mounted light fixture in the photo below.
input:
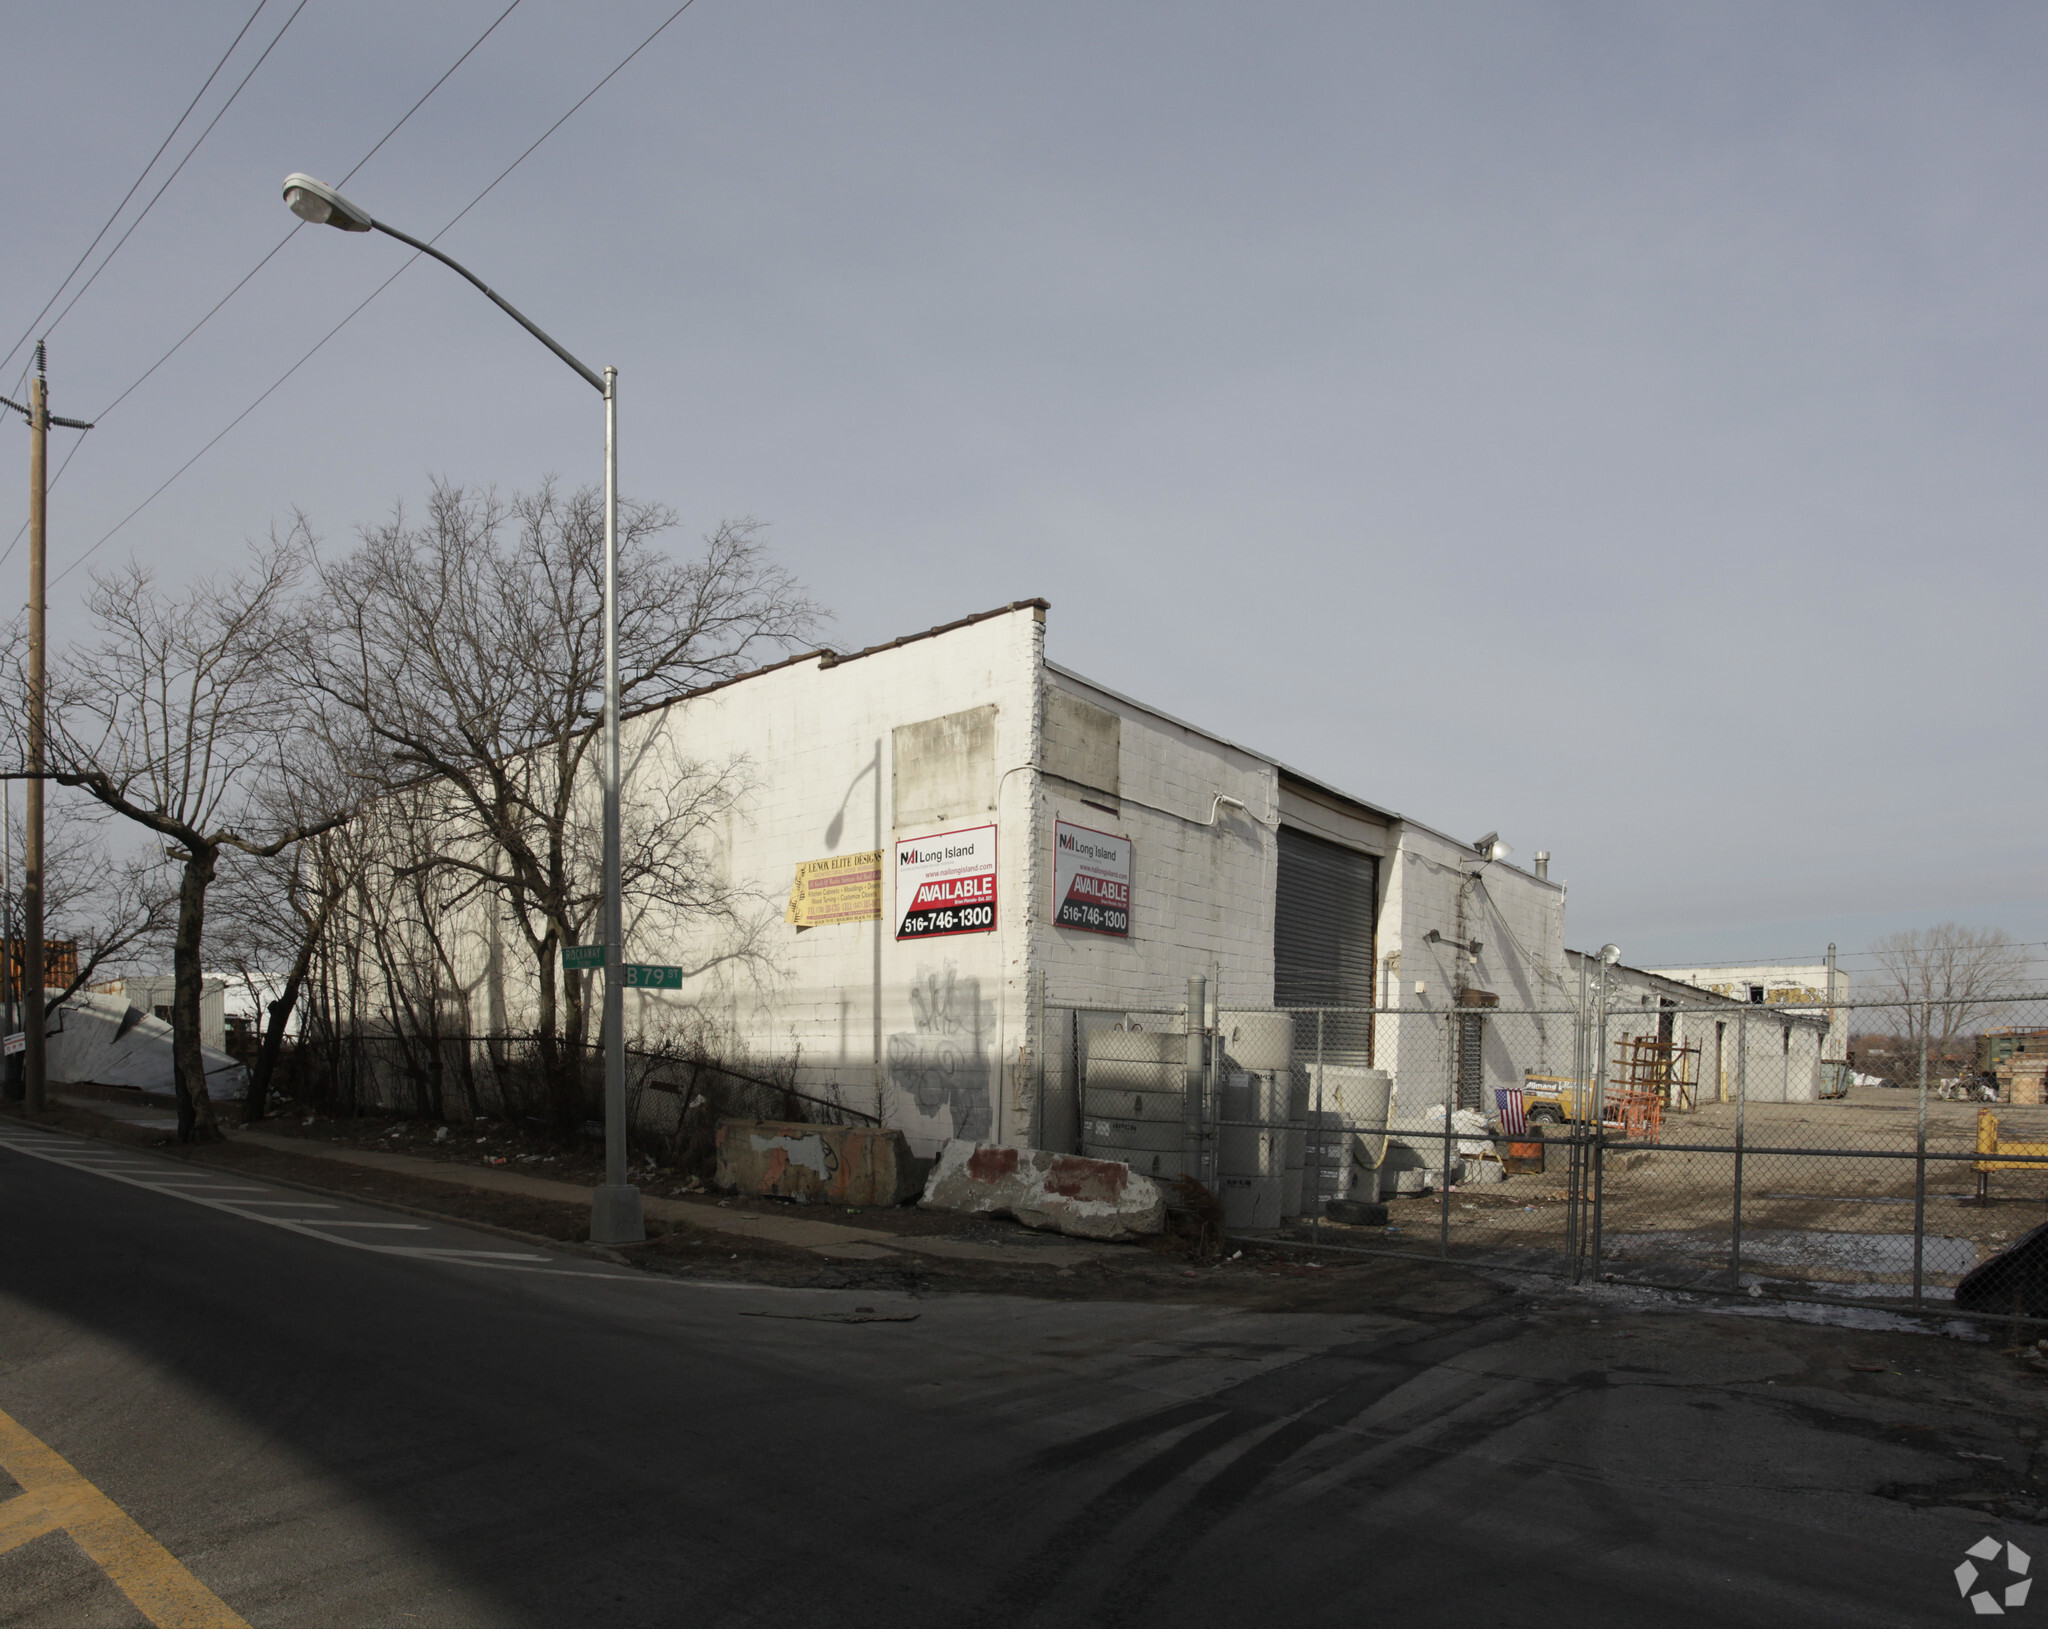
(1490, 847)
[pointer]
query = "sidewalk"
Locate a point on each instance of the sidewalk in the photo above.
(830, 1239)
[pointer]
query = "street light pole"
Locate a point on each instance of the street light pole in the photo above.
(615, 1211)
(616, 1193)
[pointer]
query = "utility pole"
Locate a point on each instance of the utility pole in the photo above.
(34, 1062)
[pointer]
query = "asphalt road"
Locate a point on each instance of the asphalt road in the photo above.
(332, 1415)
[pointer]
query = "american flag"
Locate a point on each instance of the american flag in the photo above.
(1512, 1119)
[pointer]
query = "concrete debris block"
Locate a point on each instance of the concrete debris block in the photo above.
(1062, 1193)
(2020, 1079)
(817, 1165)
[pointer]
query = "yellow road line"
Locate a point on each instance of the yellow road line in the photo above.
(53, 1495)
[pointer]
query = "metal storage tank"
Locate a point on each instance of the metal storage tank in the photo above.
(1250, 1148)
(1294, 1148)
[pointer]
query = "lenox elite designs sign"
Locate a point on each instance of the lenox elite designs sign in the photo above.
(946, 883)
(1091, 880)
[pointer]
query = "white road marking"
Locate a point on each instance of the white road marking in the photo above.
(395, 1227)
(302, 1204)
(64, 1153)
(78, 1157)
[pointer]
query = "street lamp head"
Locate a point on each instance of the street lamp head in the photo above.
(319, 203)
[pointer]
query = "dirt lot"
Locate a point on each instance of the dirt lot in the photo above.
(1836, 1218)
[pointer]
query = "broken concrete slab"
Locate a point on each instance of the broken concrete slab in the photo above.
(816, 1165)
(1062, 1193)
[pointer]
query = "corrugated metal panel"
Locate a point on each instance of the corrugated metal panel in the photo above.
(1323, 920)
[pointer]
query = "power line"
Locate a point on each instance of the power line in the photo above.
(379, 289)
(130, 193)
(214, 311)
(107, 259)
(281, 242)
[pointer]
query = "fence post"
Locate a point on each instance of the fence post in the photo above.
(1450, 1098)
(1038, 1067)
(1600, 1120)
(1920, 1166)
(1315, 1214)
(1194, 1079)
(1575, 1148)
(1741, 1104)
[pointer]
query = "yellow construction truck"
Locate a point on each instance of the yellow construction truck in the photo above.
(1556, 1099)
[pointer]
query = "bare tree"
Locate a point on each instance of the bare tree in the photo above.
(112, 907)
(178, 719)
(472, 648)
(1944, 978)
(271, 915)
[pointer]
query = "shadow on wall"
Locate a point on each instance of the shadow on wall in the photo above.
(940, 1070)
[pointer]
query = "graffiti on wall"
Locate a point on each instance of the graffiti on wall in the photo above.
(941, 1066)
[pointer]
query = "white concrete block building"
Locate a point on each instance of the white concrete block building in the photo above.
(1767, 1052)
(1811, 985)
(943, 834)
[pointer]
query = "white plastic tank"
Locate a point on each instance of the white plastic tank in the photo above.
(1347, 1140)
(1262, 1042)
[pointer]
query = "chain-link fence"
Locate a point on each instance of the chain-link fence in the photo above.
(556, 1082)
(1869, 1151)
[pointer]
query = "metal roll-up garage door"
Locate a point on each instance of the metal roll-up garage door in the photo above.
(1323, 925)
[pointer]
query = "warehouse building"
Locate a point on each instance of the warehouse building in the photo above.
(947, 838)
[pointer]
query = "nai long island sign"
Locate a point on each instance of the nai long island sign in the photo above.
(1091, 880)
(946, 883)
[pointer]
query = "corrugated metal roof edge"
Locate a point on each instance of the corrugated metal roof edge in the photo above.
(826, 657)
(1287, 769)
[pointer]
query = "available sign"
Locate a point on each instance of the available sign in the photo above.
(14, 1045)
(946, 883)
(1091, 880)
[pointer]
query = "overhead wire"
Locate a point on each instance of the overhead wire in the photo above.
(660, 29)
(108, 258)
(100, 417)
(137, 183)
(294, 232)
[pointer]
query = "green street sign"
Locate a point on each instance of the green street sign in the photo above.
(582, 956)
(640, 976)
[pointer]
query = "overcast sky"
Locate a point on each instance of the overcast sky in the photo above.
(1618, 425)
